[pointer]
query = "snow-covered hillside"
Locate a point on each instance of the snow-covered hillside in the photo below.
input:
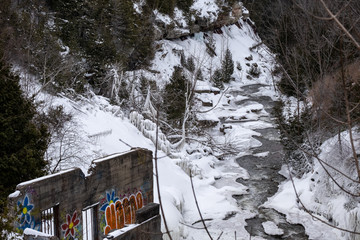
(320, 195)
(104, 129)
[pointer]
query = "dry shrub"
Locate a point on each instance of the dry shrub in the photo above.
(328, 94)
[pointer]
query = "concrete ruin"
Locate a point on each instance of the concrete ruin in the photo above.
(114, 201)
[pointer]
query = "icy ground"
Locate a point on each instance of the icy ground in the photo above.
(104, 130)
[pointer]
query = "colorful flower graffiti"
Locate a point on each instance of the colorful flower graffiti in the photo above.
(121, 212)
(26, 208)
(69, 227)
(25, 218)
(110, 198)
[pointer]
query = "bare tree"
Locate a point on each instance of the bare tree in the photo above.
(66, 139)
(334, 90)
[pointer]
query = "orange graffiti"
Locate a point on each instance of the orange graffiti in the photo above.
(133, 207)
(110, 215)
(139, 200)
(127, 211)
(122, 212)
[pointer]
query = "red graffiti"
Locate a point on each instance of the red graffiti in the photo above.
(122, 212)
(71, 223)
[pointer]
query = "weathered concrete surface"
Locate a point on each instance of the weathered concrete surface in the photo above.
(147, 212)
(149, 226)
(116, 188)
(144, 231)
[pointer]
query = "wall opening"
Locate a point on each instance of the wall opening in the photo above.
(50, 221)
(89, 217)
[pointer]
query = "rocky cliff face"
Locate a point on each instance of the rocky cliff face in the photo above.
(172, 28)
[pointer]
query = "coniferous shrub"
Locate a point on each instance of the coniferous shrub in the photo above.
(199, 76)
(190, 64)
(294, 138)
(224, 74)
(254, 70)
(238, 66)
(184, 5)
(164, 6)
(217, 79)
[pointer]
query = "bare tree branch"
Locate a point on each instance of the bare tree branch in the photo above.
(198, 208)
(309, 212)
(157, 178)
(342, 27)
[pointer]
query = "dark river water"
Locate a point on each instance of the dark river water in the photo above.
(263, 166)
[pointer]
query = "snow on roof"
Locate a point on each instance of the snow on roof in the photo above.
(46, 177)
(111, 156)
(29, 231)
(14, 194)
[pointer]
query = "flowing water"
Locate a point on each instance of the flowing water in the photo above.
(263, 166)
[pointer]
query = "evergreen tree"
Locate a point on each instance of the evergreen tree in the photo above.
(190, 64)
(23, 144)
(199, 76)
(184, 5)
(167, 7)
(223, 75)
(164, 6)
(217, 79)
(174, 97)
(143, 50)
(227, 66)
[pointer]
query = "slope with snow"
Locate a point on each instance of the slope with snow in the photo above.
(105, 129)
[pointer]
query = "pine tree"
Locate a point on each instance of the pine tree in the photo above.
(164, 6)
(23, 143)
(174, 97)
(217, 79)
(144, 40)
(184, 5)
(227, 66)
(167, 7)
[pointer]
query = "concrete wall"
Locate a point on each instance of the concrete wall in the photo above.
(148, 225)
(116, 188)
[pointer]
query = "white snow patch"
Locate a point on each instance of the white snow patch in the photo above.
(29, 231)
(45, 177)
(272, 229)
(14, 194)
(206, 9)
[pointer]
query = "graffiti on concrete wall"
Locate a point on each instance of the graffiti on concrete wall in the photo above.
(26, 218)
(71, 228)
(55, 205)
(118, 212)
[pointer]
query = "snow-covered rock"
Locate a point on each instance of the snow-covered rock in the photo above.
(272, 229)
